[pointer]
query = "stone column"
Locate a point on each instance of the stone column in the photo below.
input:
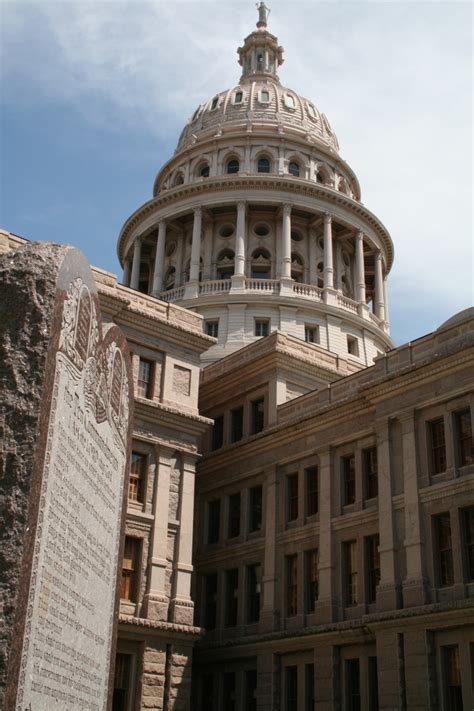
(156, 600)
(385, 298)
(181, 605)
(159, 259)
(328, 266)
(313, 261)
(325, 604)
(414, 585)
(360, 268)
(126, 272)
(388, 589)
(137, 256)
(192, 287)
(379, 306)
(268, 617)
(285, 281)
(238, 279)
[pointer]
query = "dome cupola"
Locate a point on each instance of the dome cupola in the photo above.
(256, 222)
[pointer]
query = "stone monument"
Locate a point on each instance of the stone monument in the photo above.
(65, 427)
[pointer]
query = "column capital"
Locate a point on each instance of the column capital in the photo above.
(241, 205)
(327, 217)
(161, 223)
(359, 234)
(378, 255)
(197, 211)
(287, 208)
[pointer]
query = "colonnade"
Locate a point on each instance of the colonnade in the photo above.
(380, 295)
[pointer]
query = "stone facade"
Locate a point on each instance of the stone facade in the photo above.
(361, 530)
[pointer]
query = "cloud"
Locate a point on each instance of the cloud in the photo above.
(394, 79)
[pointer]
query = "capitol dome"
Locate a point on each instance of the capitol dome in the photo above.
(256, 222)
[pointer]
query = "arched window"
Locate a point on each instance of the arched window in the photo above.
(259, 62)
(320, 177)
(232, 166)
(238, 98)
(204, 171)
(294, 169)
(179, 180)
(225, 264)
(261, 264)
(296, 267)
(215, 103)
(170, 278)
(263, 165)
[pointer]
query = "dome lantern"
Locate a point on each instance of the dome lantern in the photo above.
(261, 54)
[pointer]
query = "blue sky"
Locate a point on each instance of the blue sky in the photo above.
(95, 94)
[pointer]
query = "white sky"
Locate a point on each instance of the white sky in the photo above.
(394, 78)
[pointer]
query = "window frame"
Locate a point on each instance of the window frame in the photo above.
(262, 324)
(141, 478)
(150, 383)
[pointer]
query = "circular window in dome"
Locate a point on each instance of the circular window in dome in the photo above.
(226, 231)
(261, 229)
(170, 249)
(296, 236)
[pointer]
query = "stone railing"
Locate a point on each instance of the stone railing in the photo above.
(173, 294)
(268, 285)
(307, 291)
(347, 303)
(215, 286)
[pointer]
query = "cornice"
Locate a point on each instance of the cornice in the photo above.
(154, 626)
(256, 182)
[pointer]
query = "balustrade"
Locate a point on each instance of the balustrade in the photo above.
(347, 303)
(308, 291)
(214, 286)
(268, 285)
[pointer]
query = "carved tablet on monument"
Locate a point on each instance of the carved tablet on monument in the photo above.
(65, 415)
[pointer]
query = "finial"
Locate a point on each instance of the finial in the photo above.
(263, 13)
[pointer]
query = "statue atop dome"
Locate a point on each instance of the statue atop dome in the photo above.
(263, 13)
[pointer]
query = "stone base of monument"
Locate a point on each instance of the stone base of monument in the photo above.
(65, 422)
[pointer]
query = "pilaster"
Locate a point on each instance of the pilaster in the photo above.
(326, 604)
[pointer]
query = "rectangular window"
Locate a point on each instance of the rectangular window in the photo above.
(130, 569)
(228, 691)
(452, 678)
(437, 446)
(262, 327)
(369, 462)
(348, 480)
(253, 592)
(251, 690)
(372, 562)
(352, 685)
(349, 560)
(255, 508)
(210, 602)
(291, 565)
(464, 440)
(237, 424)
(352, 346)
(468, 531)
(144, 382)
(212, 328)
(257, 415)
(234, 516)
(122, 678)
(292, 496)
(291, 688)
(231, 597)
(217, 436)
(309, 700)
(444, 549)
(311, 480)
(207, 693)
(214, 520)
(373, 685)
(312, 579)
(136, 482)
(311, 334)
